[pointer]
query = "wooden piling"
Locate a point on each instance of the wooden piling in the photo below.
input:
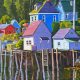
(57, 64)
(5, 66)
(73, 64)
(53, 75)
(43, 65)
(10, 66)
(26, 68)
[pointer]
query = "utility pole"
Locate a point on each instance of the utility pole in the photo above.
(74, 17)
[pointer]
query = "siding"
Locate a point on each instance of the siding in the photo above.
(42, 31)
(28, 47)
(70, 16)
(49, 19)
(74, 45)
(64, 44)
(33, 18)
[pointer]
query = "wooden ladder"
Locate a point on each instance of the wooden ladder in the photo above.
(45, 64)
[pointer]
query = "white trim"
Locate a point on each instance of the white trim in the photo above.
(42, 13)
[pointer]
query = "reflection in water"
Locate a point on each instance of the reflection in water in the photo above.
(23, 72)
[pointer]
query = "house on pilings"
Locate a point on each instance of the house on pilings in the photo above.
(37, 37)
(66, 39)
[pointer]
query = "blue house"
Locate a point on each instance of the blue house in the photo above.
(65, 7)
(46, 12)
(16, 25)
(37, 37)
(66, 39)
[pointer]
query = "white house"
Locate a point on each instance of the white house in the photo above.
(66, 39)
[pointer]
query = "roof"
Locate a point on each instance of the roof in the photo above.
(32, 28)
(46, 7)
(61, 33)
(66, 6)
(3, 26)
(15, 23)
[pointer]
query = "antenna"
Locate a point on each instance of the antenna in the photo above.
(74, 14)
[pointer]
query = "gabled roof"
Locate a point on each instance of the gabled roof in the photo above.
(66, 6)
(32, 28)
(15, 23)
(67, 33)
(46, 7)
(61, 33)
(3, 26)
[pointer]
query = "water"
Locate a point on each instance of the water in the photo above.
(18, 67)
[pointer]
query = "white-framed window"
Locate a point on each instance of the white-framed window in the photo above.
(43, 18)
(28, 42)
(35, 18)
(54, 18)
(32, 18)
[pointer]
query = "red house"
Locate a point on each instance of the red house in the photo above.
(7, 29)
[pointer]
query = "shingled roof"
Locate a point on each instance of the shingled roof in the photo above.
(61, 33)
(32, 28)
(46, 7)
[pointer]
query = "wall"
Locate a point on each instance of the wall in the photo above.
(28, 47)
(64, 44)
(49, 19)
(42, 31)
(34, 16)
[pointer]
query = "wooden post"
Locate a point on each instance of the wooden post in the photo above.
(43, 65)
(73, 65)
(53, 75)
(47, 64)
(37, 66)
(5, 66)
(26, 68)
(10, 66)
(1, 63)
(17, 67)
(73, 57)
(76, 55)
(57, 64)
(32, 60)
(22, 78)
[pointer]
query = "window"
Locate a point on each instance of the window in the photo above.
(28, 42)
(32, 18)
(35, 18)
(43, 18)
(58, 43)
(66, 16)
(54, 18)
